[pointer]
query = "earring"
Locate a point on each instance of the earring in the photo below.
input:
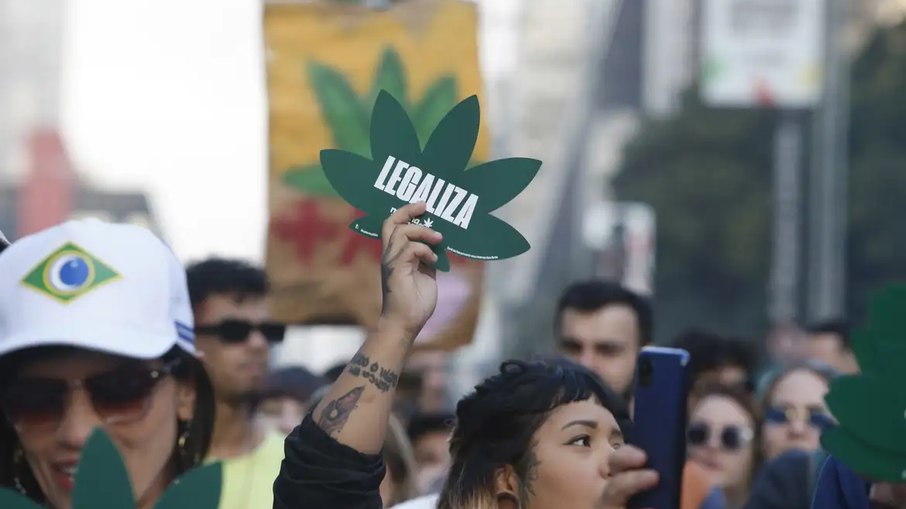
(181, 444)
(18, 459)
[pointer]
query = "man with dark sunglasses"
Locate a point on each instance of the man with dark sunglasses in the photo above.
(234, 334)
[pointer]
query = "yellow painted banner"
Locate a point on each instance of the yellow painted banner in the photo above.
(325, 66)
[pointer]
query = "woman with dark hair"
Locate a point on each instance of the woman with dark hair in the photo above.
(536, 435)
(96, 330)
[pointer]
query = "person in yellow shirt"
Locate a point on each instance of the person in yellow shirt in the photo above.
(234, 333)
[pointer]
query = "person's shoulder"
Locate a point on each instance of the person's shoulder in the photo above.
(426, 502)
(839, 487)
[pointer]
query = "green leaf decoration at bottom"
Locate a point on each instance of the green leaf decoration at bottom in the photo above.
(9, 499)
(102, 480)
(198, 489)
(309, 179)
(874, 464)
(488, 238)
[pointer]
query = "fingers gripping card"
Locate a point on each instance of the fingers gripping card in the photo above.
(459, 200)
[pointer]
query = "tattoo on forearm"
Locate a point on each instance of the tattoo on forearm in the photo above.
(336, 413)
(386, 272)
(378, 376)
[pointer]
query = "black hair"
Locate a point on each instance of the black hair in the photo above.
(837, 326)
(198, 438)
(217, 276)
(3, 242)
(709, 351)
(421, 424)
(496, 423)
(588, 296)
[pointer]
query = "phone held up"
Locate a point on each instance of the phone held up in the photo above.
(659, 422)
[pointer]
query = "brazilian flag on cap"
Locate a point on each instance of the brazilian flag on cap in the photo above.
(69, 273)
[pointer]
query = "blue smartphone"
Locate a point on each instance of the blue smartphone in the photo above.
(659, 422)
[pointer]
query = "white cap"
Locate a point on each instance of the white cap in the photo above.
(111, 288)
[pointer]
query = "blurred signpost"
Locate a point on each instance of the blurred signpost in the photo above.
(622, 234)
(326, 63)
(770, 54)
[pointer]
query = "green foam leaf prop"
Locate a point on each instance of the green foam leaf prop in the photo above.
(871, 406)
(197, 489)
(11, 500)
(459, 201)
(102, 482)
(870, 462)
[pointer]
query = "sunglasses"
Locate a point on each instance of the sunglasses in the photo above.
(119, 396)
(814, 417)
(732, 438)
(238, 331)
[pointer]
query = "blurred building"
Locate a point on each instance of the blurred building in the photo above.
(50, 192)
(30, 53)
(38, 184)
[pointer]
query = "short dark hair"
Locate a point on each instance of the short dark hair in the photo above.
(217, 276)
(709, 351)
(495, 425)
(588, 296)
(421, 424)
(837, 326)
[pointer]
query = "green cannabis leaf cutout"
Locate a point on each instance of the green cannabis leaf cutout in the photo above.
(102, 482)
(459, 201)
(871, 406)
(347, 114)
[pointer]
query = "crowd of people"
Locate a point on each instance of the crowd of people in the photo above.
(100, 325)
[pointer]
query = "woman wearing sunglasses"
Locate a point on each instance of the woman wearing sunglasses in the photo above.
(794, 409)
(96, 331)
(722, 438)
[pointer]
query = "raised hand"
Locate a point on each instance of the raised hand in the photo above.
(408, 277)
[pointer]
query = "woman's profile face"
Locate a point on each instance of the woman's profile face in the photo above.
(144, 430)
(571, 449)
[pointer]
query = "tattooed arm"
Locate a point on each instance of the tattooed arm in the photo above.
(356, 409)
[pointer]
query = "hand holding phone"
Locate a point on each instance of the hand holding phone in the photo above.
(659, 422)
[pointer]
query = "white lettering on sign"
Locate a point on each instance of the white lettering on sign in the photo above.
(445, 200)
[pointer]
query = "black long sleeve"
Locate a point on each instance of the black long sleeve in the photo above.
(320, 473)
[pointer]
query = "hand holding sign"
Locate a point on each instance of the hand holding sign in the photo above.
(458, 201)
(408, 279)
(102, 482)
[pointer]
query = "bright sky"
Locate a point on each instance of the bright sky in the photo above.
(169, 96)
(172, 100)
